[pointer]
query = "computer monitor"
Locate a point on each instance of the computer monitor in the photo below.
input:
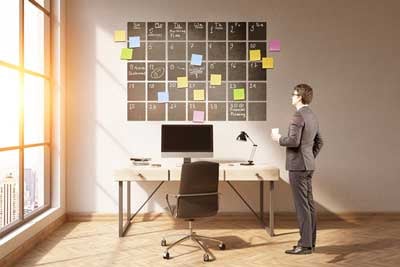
(187, 141)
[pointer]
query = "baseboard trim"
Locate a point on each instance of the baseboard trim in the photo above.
(27, 246)
(149, 216)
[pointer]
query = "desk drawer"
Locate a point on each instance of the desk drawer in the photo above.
(142, 174)
(175, 174)
(251, 173)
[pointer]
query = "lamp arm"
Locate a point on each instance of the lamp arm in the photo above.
(251, 140)
(253, 151)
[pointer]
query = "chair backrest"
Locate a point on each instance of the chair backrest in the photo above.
(198, 178)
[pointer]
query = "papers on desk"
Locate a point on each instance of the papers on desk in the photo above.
(141, 161)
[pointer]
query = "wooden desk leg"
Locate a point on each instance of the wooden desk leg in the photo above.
(128, 204)
(120, 209)
(262, 201)
(271, 208)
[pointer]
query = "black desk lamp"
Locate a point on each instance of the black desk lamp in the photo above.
(243, 137)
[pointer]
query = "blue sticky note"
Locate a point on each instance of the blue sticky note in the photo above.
(163, 97)
(196, 59)
(134, 41)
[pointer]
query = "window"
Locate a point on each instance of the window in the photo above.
(25, 111)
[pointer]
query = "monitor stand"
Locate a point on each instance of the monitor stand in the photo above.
(186, 160)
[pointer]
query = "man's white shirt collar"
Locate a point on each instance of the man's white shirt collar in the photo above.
(301, 107)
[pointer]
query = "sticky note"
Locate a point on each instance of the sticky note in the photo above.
(126, 53)
(163, 97)
(182, 82)
(275, 46)
(238, 94)
(198, 116)
(134, 41)
(119, 36)
(215, 79)
(196, 59)
(267, 63)
(198, 94)
(255, 55)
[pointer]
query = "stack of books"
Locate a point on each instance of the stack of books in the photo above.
(141, 161)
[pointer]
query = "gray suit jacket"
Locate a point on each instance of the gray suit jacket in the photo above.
(303, 142)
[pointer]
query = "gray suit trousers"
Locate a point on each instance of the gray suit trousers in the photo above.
(300, 182)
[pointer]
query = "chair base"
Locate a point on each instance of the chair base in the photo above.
(198, 239)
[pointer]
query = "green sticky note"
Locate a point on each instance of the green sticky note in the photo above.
(238, 94)
(126, 53)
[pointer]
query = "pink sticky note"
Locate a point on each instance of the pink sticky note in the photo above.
(198, 116)
(275, 46)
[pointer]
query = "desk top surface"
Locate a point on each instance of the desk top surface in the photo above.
(227, 172)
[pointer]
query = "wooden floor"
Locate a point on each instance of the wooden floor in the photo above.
(369, 242)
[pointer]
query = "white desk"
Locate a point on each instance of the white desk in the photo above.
(227, 173)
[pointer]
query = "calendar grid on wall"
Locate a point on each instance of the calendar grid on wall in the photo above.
(165, 54)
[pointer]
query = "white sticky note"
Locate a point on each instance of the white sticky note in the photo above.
(275, 130)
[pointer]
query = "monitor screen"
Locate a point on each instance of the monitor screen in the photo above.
(187, 140)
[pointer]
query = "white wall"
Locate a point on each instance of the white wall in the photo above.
(346, 50)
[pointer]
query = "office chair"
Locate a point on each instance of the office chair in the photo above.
(197, 198)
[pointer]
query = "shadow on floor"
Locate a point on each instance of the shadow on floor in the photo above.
(343, 251)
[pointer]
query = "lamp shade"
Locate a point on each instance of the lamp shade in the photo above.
(242, 136)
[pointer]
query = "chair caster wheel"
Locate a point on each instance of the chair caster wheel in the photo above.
(163, 243)
(166, 255)
(206, 257)
(221, 246)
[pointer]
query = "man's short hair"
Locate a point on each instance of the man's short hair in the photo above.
(305, 91)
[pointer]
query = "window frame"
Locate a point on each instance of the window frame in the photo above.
(48, 115)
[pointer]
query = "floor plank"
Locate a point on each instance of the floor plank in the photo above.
(369, 242)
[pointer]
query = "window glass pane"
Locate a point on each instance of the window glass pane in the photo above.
(9, 187)
(37, 42)
(34, 109)
(34, 178)
(9, 107)
(9, 31)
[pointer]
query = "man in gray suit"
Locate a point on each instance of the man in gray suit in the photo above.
(303, 144)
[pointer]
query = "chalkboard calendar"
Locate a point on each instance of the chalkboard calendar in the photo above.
(165, 54)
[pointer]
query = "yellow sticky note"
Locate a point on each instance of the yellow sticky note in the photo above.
(182, 82)
(216, 79)
(198, 94)
(126, 53)
(267, 63)
(255, 55)
(238, 94)
(119, 36)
